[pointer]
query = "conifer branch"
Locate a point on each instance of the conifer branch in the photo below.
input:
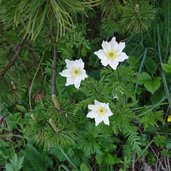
(13, 60)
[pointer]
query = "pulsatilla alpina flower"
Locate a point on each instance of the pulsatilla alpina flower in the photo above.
(99, 111)
(74, 73)
(111, 54)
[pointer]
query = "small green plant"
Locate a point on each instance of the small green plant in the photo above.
(15, 164)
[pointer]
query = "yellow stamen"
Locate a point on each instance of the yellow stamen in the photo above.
(101, 111)
(75, 72)
(111, 54)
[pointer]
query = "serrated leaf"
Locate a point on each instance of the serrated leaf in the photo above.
(166, 68)
(8, 167)
(106, 158)
(152, 85)
(15, 164)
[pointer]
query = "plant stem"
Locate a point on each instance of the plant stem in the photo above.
(54, 98)
(13, 60)
(54, 71)
(31, 86)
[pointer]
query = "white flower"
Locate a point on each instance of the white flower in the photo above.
(111, 54)
(100, 111)
(74, 73)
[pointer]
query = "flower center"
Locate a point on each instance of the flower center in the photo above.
(75, 72)
(111, 54)
(101, 111)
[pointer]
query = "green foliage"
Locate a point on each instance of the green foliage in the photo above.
(74, 44)
(50, 127)
(37, 17)
(35, 135)
(151, 119)
(167, 67)
(137, 16)
(83, 167)
(94, 139)
(15, 164)
(36, 159)
(151, 84)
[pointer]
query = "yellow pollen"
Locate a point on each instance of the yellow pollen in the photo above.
(101, 111)
(75, 72)
(111, 54)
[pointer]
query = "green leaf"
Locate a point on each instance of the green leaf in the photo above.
(152, 85)
(151, 66)
(151, 120)
(21, 108)
(84, 167)
(143, 77)
(83, 51)
(165, 152)
(106, 158)
(166, 68)
(15, 164)
(168, 146)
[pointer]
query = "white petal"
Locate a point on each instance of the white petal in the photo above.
(113, 43)
(105, 62)
(91, 115)
(109, 112)
(122, 56)
(70, 81)
(106, 120)
(92, 107)
(106, 105)
(81, 63)
(69, 64)
(100, 53)
(106, 46)
(97, 102)
(77, 82)
(98, 120)
(65, 73)
(83, 74)
(120, 47)
(78, 64)
(114, 64)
